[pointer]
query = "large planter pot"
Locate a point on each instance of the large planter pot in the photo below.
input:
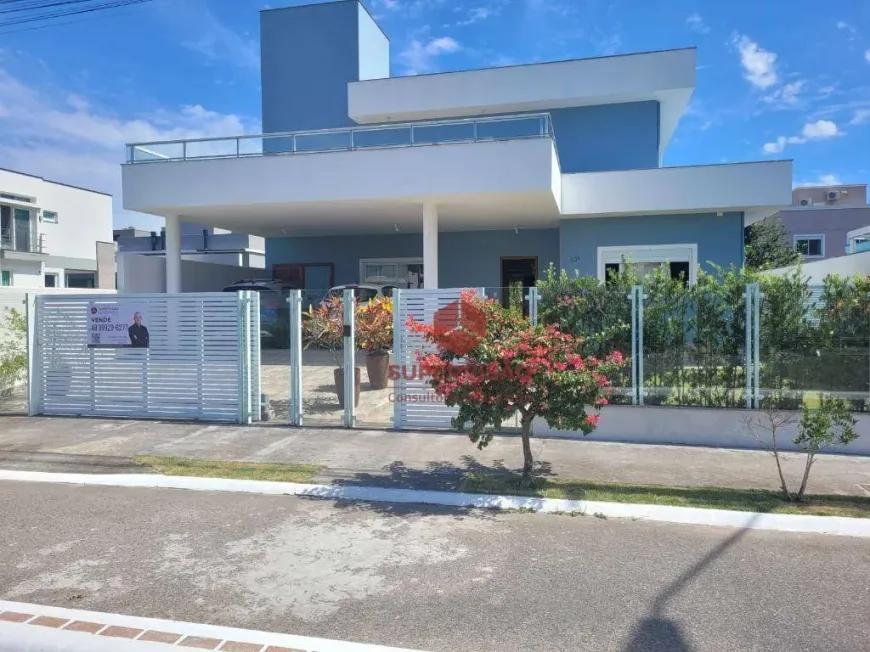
(378, 365)
(339, 386)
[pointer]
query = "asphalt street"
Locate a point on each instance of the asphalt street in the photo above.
(431, 578)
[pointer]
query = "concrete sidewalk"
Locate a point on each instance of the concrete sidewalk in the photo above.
(430, 460)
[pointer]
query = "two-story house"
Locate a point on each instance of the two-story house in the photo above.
(820, 218)
(53, 235)
(470, 178)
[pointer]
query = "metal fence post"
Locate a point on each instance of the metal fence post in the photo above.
(247, 303)
(747, 357)
(295, 328)
(398, 356)
(34, 358)
(533, 305)
(349, 304)
(756, 346)
(640, 308)
(633, 297)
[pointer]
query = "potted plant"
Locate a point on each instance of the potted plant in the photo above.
(374, 333)
(322, 327)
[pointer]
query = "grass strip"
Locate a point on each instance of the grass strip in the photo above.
(230, 470)
(744, 500)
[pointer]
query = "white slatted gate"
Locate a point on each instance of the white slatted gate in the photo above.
(416, 405)
(203, 361)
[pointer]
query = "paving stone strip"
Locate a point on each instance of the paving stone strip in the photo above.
(180, 639)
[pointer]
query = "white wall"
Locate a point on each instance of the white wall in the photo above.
(687, 426)
(414, 174)
(83, 218)
(842, 266)
(678, 189)
(523, 88)
(25, 274)
(138, 274)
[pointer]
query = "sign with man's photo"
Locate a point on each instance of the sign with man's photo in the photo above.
(118, 326)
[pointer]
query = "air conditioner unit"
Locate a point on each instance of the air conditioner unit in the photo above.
(806, 202)
(832, 195)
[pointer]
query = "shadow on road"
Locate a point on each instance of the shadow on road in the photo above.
(656, 632)
(435, 476)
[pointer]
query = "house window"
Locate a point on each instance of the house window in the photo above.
(51, 280)
(681, 259)
(49, 217)
(811, 246)
(11, 197)
(80, 280)
(6, 279)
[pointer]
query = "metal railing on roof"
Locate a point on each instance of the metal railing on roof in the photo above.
(410, 134)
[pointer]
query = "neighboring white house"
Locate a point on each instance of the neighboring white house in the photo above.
(54, 235)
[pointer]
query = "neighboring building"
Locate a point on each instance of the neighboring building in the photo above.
(820, 218)
(460, 179)
(53, 234)
(208, 245)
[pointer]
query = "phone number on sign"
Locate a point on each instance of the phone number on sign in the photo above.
(108, 328)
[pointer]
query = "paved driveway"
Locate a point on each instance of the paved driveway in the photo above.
(428, 578)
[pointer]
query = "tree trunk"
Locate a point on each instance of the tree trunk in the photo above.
(810, 459)
(782, 482)
(528, 460)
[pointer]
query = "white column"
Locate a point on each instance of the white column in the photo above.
(173, 254)
(430, 246)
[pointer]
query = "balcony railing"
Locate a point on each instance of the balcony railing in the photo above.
(535, 125)
(22, 241)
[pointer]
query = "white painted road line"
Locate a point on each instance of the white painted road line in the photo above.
(836, 525)
(63, 639)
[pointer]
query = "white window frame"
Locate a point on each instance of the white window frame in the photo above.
(810, 236)
(57, 279)
(11, 277)
(667, 253)
(46, 220)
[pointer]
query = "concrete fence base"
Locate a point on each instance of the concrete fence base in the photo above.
(716, 427)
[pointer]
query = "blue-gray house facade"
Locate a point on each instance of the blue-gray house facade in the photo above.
(459, 179)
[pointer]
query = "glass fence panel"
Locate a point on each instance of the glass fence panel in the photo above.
(387, 137)
(323, 142)
(443, 133)
(814, 342)
(322, 359)
(600, 315)
(693, 344)
(211, 148)
(513, 128)
(253, 146)
(156, 152)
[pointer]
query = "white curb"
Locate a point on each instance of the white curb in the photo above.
(291, 641)
(839, 525)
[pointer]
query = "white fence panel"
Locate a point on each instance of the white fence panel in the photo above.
(417, 405)
(199, 364)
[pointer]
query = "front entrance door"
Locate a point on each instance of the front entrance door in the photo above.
(518, 274)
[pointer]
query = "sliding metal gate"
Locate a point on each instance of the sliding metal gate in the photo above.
(201, 359)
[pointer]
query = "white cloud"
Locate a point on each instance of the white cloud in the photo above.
(823, 180)
(759, 65)
(74, 141)
(420, 57)
(818, 130)
(787, 94)
(867, 55)
(479, 13)
(697, 24)
(842, 24)
(861, 116)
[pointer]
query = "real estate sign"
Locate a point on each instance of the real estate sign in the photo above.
(118, 325)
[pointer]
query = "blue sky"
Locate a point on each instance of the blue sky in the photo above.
(777, 79)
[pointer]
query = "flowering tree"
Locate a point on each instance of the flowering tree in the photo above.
(511, 367)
